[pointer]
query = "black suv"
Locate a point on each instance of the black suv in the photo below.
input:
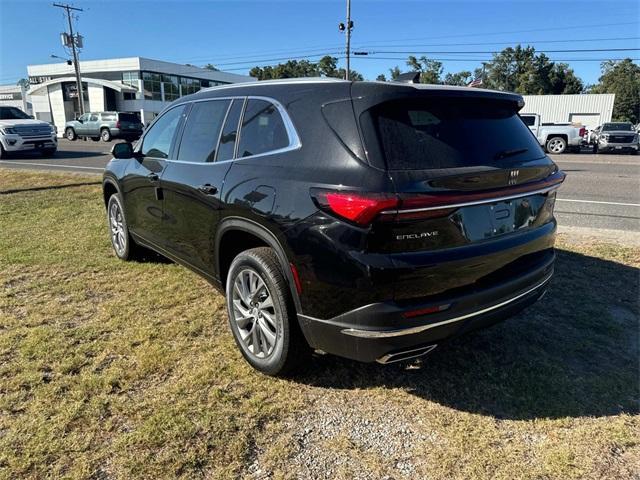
(364, 219)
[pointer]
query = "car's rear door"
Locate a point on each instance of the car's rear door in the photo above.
(468, 173)
(193, 184)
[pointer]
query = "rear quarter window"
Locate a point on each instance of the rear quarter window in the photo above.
(447, 133)
(263, 129)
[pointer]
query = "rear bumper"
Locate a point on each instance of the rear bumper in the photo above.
(378, 331)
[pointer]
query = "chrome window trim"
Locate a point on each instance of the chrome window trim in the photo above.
(292, 133)
(409, 331)
(475, 202)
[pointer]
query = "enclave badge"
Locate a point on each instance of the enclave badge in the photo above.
(415, 236)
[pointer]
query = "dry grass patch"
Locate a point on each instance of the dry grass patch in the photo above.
(121, 370)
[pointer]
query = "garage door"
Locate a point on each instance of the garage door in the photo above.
(589, 120)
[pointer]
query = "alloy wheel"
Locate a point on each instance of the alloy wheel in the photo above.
(116, 223)
(254, 313)
(556, 145)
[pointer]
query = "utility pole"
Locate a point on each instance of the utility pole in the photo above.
(347, 29)
(76, 62)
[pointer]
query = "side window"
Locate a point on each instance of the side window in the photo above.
(230, 131)
(263, 129)
(83, 118)
(93, 118)
(202, 130)
(157, 141)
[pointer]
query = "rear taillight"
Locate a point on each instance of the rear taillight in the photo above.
(583, 132)
(357, 207)
(118, 124)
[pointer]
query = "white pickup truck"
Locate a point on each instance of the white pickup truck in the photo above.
(20, 133)
(555, 138)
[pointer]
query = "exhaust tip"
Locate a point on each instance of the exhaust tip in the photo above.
(405, 354)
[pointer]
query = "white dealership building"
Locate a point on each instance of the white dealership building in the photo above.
(132, 84)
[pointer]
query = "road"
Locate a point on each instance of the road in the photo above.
(601, 191)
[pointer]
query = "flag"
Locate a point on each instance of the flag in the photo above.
(475, 83)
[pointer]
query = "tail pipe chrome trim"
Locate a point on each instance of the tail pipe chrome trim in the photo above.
(409, 331)
(405, 354)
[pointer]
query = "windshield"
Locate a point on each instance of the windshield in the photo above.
(448, 133)
(609, 127)
(12, 113)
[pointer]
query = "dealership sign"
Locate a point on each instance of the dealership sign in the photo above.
(11, 96)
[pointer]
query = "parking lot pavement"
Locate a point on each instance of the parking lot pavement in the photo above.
(601, 191)
(79, 156)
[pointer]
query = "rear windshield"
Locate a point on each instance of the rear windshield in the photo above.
(129, 117)
(448, 133)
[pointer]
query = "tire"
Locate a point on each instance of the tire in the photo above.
(123, 245)
(70, 134)
(48, 153)
(595, 148)
(556, 145)
(3, 152)
(105, 135)
(261, 313)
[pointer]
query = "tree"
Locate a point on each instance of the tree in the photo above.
(325, 67)
(381, 78)
(394, 72)
(521, 70)
(430, 70)
(460, 79)
(623, 79)
(210, 66)
(24, 83)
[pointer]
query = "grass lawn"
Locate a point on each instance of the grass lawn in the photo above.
(128, 370)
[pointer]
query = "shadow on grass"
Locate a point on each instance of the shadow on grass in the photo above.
(573, 354)
(48, 187)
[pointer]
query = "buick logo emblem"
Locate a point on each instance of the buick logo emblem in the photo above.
(513, 177)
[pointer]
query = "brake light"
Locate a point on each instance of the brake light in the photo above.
(425, 311)
(583, 132)
(118, 124)
(359, 208)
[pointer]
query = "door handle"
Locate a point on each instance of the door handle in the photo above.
(153, 177)
(208, 189)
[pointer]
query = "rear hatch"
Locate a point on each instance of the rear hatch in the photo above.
(468, 174)
(129, 122)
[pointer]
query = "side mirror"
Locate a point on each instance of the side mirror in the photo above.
(122, 150)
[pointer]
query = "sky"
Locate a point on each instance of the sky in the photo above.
(237, 35)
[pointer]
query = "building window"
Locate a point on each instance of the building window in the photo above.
(129, 95)
(171, 88)
(189, 85)
(130, 78)
(152, 86)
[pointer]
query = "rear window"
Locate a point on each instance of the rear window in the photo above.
(448, 133)
(129, 117)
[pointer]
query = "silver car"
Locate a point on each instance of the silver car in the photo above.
(618, 137)
(104, 126)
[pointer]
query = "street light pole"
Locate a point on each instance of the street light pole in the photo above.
(76, 62)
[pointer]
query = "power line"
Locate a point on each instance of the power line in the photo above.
(528, 42)
(462, 52)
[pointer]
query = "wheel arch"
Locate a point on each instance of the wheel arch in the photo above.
(263, 237)
(109, 187)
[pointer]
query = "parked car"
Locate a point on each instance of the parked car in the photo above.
(105, 126)
(19, 132)
(555, 138)
(352, 218)
(615, 137)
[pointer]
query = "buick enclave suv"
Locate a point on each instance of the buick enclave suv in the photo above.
(364, 219)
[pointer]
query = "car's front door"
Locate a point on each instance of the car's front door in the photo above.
(193, 185)
(141, 182)
(92, 127)
(81, 125)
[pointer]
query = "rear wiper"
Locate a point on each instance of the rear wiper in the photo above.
(509, 153)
